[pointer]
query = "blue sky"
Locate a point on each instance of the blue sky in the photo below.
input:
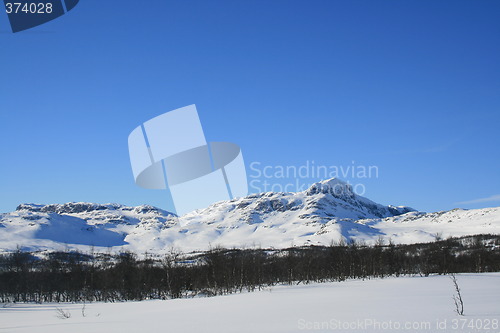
(411, 87)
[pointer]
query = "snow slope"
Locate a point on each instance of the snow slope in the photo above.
(422, 304)
(76, 225)
(327, 211)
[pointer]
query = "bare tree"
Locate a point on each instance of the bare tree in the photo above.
(457, 299)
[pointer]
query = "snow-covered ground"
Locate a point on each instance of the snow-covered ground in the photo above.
(412, 304)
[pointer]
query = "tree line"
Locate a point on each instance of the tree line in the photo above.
(79, 277)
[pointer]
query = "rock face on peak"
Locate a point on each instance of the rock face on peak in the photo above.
(88, 208)
(329, 198)
(67, 208)
(326, 212)
(335, 195)
(333, 186)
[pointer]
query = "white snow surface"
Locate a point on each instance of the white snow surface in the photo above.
(412, 304)
(327, 212)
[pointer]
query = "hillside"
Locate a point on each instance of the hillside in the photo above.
(326, 212)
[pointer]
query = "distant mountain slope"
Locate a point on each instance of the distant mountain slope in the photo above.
(76, 225)
(326, 212)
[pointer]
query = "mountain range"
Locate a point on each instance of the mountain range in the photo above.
(328, 211)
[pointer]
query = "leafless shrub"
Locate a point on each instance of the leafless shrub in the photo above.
(457, 298)
(61, 314)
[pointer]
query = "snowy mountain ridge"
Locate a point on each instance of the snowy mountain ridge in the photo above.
(326, 212)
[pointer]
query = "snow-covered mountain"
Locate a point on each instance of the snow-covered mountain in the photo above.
(326, 212)
(77, 225)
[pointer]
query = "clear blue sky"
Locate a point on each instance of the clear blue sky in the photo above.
(412, 87)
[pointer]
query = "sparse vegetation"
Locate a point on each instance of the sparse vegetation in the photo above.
(457, 298)
(77, 277)
(61, 314)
